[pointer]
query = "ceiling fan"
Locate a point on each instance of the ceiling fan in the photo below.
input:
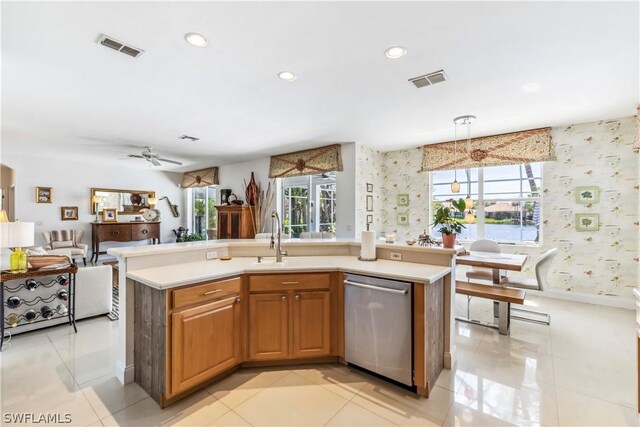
(154, 158)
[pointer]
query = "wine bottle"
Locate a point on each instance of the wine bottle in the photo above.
(12, 320)
(13, 302)
(62, 309)
(47, 313)
(30, 315)
(63, 294)
(62, 280)
(31, 284)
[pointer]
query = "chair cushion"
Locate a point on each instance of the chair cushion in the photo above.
(63, 244)
(521, 283)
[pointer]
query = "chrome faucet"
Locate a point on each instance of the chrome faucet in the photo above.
(272, 245)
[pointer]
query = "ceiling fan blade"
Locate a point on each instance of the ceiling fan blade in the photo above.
(136, 156)
(155, 161)
(171, 161)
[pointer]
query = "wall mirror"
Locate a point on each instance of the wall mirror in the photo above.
(127, 202)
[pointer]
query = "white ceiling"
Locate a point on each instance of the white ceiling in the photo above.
(65, 95)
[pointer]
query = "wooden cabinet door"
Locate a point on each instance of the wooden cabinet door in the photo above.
(223, 225)
(268, 326)
(205, 341)
(311, 313)
(235, 218)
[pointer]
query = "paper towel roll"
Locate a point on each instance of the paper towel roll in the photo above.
(368, 246)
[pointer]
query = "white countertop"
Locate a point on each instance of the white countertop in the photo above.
(135, 251)
(169, 276)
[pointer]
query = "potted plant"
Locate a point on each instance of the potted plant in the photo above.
(449, 226)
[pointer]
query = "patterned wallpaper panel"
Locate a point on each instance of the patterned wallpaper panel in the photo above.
(368, 170)
(604, 154)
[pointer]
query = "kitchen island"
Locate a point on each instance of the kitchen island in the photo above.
(263, 312)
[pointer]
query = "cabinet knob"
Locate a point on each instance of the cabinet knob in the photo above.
(238, 300)
(284, 298)
(116, 232)
(297, 296)
(145, 231)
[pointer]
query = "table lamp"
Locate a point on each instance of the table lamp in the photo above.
(3, 216)
(152, 201)
(17, 235)
(96, 201)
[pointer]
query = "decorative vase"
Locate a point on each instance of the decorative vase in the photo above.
(252, 191)
(448, 240)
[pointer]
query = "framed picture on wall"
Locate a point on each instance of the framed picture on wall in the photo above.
(369, 219)
(69, 213)
(586, 195)
(403, 200)
(369, 203)
(587, 222)
(403, 218)
(44, 195)
(109, 215)
(369, 187)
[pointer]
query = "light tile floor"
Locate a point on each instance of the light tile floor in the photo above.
(579, 371)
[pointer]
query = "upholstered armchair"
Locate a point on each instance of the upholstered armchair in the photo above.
(64, 247)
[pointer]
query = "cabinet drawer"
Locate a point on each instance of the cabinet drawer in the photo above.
(206, 292)
(280, 282)
(144, 231)
(117, 233)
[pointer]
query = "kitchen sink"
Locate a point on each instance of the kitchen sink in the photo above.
(292, 262)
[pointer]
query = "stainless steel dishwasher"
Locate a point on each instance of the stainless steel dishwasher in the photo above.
(377, 326)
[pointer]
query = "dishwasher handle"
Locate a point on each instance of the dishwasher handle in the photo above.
(376, 288)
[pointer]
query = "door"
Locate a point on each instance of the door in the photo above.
(311, 324)
(236, 221)
(223, 226)
(268, 326)
(205, 341)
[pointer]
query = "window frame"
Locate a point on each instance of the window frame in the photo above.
(480, 203)
(191, 200)
(313, 184)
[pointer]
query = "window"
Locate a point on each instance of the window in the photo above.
(309, 204)
(203, 211)
(506, 200)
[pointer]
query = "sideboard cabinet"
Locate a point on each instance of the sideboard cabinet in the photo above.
(236, 222)
(122, 232)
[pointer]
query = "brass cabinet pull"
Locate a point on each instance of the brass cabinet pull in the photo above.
(212, 292)
(238, 300)
(116, 232)
(145, 231)
(284, 298)
(298, 297)
(290, 283)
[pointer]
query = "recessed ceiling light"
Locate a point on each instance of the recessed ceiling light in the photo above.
(287, 76)
(395, 52)
(195, 39)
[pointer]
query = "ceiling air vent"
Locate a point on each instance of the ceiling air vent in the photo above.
(189, 138)
(110, 42)
(429, 79)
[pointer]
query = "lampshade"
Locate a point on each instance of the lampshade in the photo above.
(3, 216)
(152, 201)
(16, 234)
(469, 218)
(96, 199)
(455, 186)
(468, 203)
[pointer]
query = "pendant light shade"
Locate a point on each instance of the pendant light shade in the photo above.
(468, 203)
(469, 218)
(455, 186)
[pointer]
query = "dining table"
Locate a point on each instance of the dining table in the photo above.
(496, 261)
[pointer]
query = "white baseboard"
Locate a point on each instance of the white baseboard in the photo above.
(610, 301)
(125, 374)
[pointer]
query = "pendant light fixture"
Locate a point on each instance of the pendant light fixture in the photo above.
(455, 185)
(469, 218)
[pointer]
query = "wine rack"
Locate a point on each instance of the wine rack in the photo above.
(19, 309)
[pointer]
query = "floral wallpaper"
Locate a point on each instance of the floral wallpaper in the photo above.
(603, 154)
(368, 171)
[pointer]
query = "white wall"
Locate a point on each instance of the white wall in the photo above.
(72, 182)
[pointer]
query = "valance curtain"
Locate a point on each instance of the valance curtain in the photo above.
(513, 148)
(200, 178)
(306, 162)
